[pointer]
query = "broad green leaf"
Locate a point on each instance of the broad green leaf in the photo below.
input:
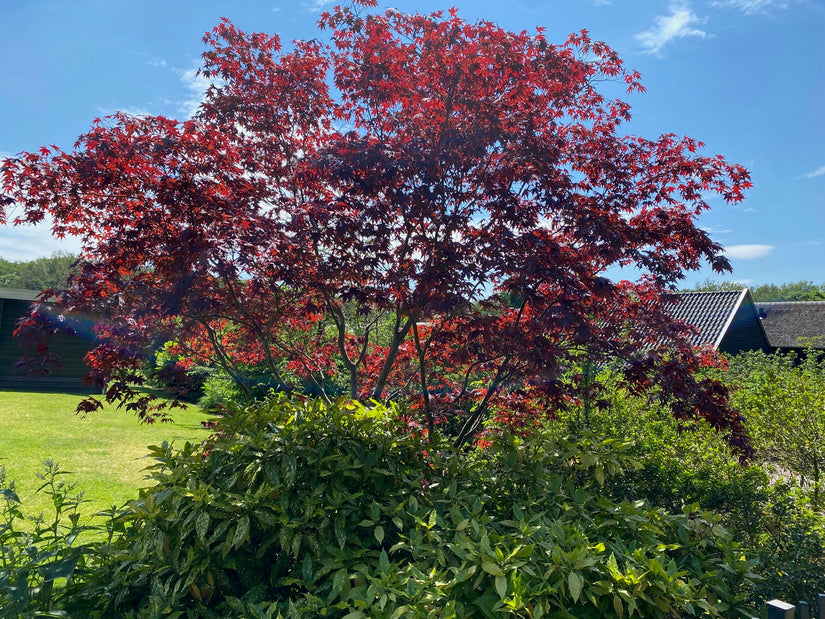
(501, 585)
(491, 568)
(202, 526)
(9, 495)
(338, 580)
(618, 606)
(58, 569)
(241, 532)
(575, 583)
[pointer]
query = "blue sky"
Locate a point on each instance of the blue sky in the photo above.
(746, 77)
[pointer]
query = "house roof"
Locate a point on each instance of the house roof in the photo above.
(710, 312)
(786, 322)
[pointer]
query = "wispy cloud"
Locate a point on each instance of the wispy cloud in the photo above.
(196, 85)
(820, 171)
(316, 6)
(748, 252)
(716, 230)
(751, 7)
(679, 24)
(131, 111)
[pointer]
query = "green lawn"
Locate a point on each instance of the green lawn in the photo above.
(105, 451)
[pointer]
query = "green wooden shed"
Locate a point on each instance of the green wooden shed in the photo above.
(70, 346)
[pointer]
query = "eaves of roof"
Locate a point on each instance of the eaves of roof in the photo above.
(18, 294)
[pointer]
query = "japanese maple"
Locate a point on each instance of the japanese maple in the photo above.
(418, 207)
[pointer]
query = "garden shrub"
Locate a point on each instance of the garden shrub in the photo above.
(304, 510)
(677, 466)
(790, 548)
(220, 393)
(783, 397)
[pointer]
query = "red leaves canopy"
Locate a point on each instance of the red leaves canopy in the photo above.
(439, 226)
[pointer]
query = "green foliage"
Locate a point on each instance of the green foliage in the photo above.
(795, 291)
(220, 393)
(304, 510)
(790, 547)
(681, 465)
(307, 510)
(710, 285)
(38, 274)
(678, 464)
(784, 400)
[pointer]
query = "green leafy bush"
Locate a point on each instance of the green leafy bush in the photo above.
(303, 510)
(220, 393)
(678, 466)
(783, 397)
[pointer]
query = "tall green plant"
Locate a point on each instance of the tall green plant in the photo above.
(42, 560)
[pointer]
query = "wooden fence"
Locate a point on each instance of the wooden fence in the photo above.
(777, 609)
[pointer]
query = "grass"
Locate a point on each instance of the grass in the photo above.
(105, 451)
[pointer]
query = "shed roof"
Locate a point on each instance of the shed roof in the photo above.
(788, 321)
(710, 312)
(18, 294)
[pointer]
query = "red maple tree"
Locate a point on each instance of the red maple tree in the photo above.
(420, 207)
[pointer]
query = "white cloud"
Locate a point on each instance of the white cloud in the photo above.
(196, 85)
(820, 171)
(716, 230)
(751, 7)
(748, 252)
(679, 24)
(131, 111)
(316, 6)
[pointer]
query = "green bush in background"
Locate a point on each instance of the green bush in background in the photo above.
(783, 397)
(774, 521)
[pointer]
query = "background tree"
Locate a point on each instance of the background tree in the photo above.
(376, 236)
(794, 291)
(37, 274)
